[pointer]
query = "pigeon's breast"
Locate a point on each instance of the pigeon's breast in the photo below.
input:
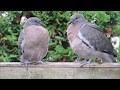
(72, 33)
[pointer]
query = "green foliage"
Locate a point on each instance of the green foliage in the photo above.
(9, 31)
(56, 23)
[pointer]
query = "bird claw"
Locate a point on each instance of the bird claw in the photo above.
(76, 61)
(40, 62)
(26, 62)
(86, 62)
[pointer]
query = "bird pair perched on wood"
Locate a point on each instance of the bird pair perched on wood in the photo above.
(84, 38)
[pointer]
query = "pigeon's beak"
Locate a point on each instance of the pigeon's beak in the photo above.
(41, 23)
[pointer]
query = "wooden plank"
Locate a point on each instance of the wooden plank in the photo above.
(59, 64)
(59, 70)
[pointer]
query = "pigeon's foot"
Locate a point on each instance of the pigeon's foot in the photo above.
(86, 61)
(39, 62)
(26, 62)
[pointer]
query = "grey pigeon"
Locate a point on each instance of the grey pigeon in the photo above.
(33, 41)
(88, 41)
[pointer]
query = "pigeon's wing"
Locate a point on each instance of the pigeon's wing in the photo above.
(94, 26)
(90, 34)
(21, 42)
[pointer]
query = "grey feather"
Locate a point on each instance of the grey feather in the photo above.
(94, 26)
(96, 39)
(21, 42)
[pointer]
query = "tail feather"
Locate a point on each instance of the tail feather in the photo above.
(114, 53)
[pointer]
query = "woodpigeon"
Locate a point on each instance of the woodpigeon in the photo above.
(33, 41)
(87, 40)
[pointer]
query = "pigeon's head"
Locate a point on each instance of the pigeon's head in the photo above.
(76, 18)
(33, 21)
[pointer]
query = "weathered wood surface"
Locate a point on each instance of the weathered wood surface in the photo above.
(59, 70)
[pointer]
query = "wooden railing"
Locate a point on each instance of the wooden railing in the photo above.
(59, 70)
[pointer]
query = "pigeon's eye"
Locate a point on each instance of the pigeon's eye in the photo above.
(35, 21)
(76, 18)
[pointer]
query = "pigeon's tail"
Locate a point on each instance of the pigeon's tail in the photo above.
(108, 58)
(114, 53)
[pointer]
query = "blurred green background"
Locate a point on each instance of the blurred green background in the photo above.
(56, 23)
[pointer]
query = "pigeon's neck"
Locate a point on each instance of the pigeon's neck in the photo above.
(25, 26)
(82, 23)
